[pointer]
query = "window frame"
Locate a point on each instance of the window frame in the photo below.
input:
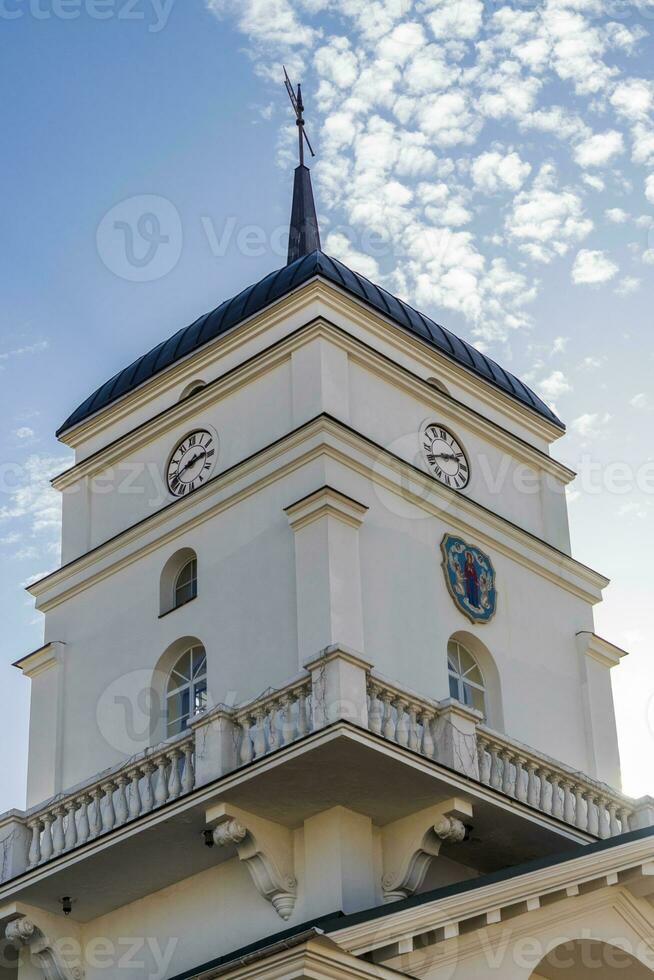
(459, 676)
(192, 584)
(191, 694)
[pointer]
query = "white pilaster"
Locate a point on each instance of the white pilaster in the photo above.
(597, 657)
(339, 862)
(328, 571)
(45, 669)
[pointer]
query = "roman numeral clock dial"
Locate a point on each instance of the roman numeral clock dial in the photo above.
(192, 462)
(445, 456)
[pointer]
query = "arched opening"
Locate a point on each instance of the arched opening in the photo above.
(435, 383)
(192, 389)
(179, 581)
(590, 959)
(474, 678)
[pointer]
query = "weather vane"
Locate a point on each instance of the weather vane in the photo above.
(298, 106)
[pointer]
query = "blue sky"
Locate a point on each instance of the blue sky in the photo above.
(491, 162)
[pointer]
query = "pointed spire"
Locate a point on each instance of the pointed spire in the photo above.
(304, 233)
(304, 236)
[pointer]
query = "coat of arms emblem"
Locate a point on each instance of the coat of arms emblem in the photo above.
(470, 577)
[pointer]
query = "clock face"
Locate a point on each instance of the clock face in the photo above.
(445, 457)
(192, 462)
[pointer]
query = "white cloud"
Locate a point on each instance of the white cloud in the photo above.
(554, 385)
(599, 149)
(649, 188)
(640, 401)
(628, 286)
(341, 248)
(616, 215)
(592, 267)
(546, 220)
(24, 432)
(590, 425)
(648, 256)
(633, 98)
(33, 506)
(492, 172)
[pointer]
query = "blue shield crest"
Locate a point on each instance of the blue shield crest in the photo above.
(470, 578)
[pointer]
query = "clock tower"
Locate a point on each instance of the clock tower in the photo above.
(320, 693)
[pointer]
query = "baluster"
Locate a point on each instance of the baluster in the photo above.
(259, 734)
(484, 760)
(107, 812)
(428, 744)
(375, 713)
(133, 795)
(603, 817)
(625, 817)
(543, 803)
(520, 779)
(46, 840)
(568, 801)
(70, 838)
(83, 829)
(614, 826)
(593, 813)
(273, 738)
(533, 788)
(160, 781)
(581, 813)
(288, 722)
(35, 845)
(174, 781)
(58, 831)
(388, 728)
(401, 730)
(496, 766)
(507, 783)
(414, 734)
(188, 776)
(96, 812)
(557, 801)
(303, 716)
(247, 749)
(121, 808)
(147, 795)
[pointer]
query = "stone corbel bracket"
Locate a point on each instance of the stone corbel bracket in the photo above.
(266, 849)
(22, 933)
(411, 844)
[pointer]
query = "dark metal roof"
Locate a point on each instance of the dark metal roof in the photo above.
(273, 287)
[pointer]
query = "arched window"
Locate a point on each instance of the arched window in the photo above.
(186, 583)
(466, 679)
(179, 580)
(186, 694)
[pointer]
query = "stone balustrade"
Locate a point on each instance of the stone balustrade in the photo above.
(274, 720)
(334, 687)
(157, 778)
(551, 787)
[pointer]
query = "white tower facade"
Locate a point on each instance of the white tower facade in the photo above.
(320, 693)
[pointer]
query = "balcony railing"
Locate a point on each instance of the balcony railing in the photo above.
(337, 686)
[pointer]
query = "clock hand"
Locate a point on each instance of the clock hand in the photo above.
(191, 462)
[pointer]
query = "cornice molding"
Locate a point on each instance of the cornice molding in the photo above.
(329, 438)
(597, 648)
(378, 932)
(279, 353)
(326, 502)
